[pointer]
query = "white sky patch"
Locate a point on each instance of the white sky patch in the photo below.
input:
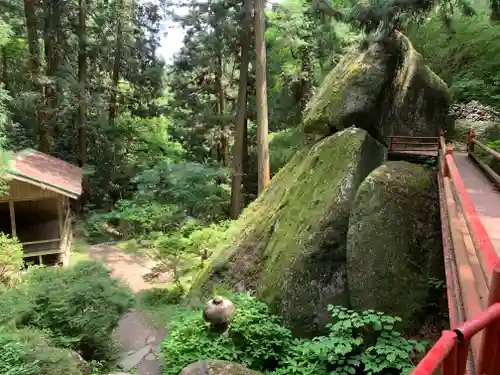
(172, 36)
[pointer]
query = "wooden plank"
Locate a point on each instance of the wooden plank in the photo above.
(41, 241)
(41, 252)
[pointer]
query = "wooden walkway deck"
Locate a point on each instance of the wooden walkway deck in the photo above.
(483, 194)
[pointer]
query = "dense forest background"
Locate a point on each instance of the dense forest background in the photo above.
(82, 80)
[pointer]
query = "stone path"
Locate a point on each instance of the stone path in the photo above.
(138, 339)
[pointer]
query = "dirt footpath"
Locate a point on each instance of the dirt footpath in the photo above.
(139, 341)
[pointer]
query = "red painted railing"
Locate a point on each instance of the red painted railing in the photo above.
(471, 143)
(451, 351)
(481, 328)
(398, 143)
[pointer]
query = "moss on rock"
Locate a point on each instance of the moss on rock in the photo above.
(384, 88)
(289, 244)
(394, 241)
(215, 367)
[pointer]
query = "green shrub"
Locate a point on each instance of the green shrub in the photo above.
(80, 306)
(11, 260)
(357, 343)
(365, 342)
(161, 296)
(255, 338)
(465, 56)
(29, 352)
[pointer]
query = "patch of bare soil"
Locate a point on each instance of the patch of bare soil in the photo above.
(138, 339)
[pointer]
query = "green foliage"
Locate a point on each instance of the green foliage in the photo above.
(11, 260)
(30, 352)
(364, 342)
(80, 306)
(255, 338)
(161, 296)
(177, 249)
(465, 55)
(166, 195)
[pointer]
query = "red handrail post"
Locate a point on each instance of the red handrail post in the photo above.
(450, 363)
(470, 140)
(489, 355)
(390, 144)
(446, 168)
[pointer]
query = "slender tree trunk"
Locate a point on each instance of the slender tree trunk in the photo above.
(247, 187)
(37, 79)
(5, 73)
(223, 147)
(82, 100)
(261, 98)
(52, 44)
(495, 10)
(241, 124)
(113, 100)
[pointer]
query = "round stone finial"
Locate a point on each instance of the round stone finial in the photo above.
(218, 311)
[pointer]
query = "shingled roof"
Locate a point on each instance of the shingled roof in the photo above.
(36, 168)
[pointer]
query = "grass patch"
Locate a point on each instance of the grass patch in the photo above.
(160, 305)
(79, 251)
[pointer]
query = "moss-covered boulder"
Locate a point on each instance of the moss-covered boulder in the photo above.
(289, 245)
(394, 240)
(211, 367)
(383, 87)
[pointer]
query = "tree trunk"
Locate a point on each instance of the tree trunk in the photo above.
(261, 98)
(82, 100)
(5, 73)
(113, 100)
(223, 147)
(241, 124)
(37, 79)
(495, 10)
(52, 44)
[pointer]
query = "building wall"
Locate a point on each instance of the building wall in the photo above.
(23, 191)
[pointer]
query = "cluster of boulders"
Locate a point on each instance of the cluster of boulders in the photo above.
(474, 111)
(339, 224)
(484, 120)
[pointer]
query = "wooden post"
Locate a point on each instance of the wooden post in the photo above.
(446, 169)
(60, 217)
(12, 219)
(390, 144)
(470, 141)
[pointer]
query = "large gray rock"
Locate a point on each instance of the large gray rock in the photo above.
(289, 245)
(384, 88)
(211, 367)
(394, 241)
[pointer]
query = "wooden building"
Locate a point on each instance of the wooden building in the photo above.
(36, 209)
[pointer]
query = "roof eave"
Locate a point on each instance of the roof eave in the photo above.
(31, 181)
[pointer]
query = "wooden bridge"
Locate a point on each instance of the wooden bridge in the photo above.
(470, 223)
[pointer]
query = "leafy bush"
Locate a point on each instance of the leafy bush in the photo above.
(29, 352)
(363, 341)
(255, 338)
(11, 260)
(160, 297)
(357, 343)
(490, 160)
(465, 56)
(79, 306)
(200, 192)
